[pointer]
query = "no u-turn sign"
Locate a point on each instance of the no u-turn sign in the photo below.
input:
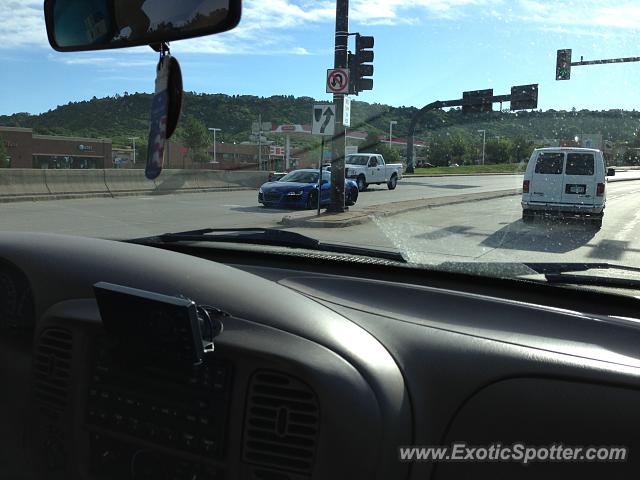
(338, 80)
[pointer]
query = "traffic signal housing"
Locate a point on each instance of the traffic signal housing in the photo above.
(563, 64)
(360, 65)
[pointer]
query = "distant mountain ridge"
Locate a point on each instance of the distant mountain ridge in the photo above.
(123, 116)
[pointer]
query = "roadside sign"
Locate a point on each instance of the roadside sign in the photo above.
(346, 112)
(257, 127)
(524, 97)
(477, 101)
(324, 120)
(338, 80)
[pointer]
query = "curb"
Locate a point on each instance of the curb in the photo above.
(611, 179)
(131, 193)
(426, 175)
(352, 218)
(349, 219)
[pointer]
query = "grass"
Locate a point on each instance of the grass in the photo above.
(499, 168)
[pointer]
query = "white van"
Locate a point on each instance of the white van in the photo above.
(565, 181)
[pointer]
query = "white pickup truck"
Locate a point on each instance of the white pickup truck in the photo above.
(368, 168)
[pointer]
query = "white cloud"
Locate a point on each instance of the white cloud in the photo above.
(22, 23)
(102, 61)
(276, 26)
(392, 12)
(612, 15)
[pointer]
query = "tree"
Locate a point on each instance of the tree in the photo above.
(631, 157)
(372, 144)
(5, 161)
(499, 151)
(194, 135)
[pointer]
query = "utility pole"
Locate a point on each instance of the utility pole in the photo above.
(391, 124)
(484, 138)
(287, 152)
(338, 145)
(133, 139)
(260, 142)
(214, 130)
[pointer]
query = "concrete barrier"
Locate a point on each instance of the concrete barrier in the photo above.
(19, 182)
(128, 182)
(31, 184)
(247, 179)
(65, 182)
(211, 180)
(176, 181)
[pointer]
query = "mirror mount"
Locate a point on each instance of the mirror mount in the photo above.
(162, 47)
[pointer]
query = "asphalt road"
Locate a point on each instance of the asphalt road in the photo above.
(493, 231)
(490, 230)
(130, 217)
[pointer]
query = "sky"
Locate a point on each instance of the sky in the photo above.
(425, 50)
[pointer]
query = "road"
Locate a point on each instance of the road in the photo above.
(493, 231)
(129, 217)
(490, 230)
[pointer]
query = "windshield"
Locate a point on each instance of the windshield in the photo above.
(509, 131)
(357, 160)
(301, 177)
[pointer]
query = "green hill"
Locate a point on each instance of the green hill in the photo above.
(126, 115)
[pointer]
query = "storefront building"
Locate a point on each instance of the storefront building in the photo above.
(27, 150)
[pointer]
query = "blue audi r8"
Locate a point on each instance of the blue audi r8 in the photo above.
(300, 189)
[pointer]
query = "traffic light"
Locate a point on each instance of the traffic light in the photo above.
(563, 64)
(360, 66)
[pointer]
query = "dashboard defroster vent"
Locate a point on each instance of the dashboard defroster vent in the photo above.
(52, 368)
(281, 423)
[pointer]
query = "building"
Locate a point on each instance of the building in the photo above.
(28, 150)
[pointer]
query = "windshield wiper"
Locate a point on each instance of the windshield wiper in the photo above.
(557, 273)
(271, 237)
(552, 268)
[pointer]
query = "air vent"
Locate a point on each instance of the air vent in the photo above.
(52, 368)
(281, 428)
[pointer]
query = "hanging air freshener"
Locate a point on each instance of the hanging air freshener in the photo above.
(165, 111)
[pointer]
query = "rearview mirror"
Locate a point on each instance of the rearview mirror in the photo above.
(611, 172)
(79, 25)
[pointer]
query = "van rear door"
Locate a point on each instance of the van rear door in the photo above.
(579, 178)
(547, 178)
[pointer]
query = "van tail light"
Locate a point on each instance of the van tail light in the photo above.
(600, 190)
(525, 186)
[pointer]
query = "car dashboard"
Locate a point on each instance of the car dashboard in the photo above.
(320, 371)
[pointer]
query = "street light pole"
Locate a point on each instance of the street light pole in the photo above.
(484, 137)
(214, 130)
(133, 139)
(391, 124)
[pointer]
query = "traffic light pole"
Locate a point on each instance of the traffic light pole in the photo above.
(414, 123)
(564, 63)
(338, 145)
(457, 103)
(602, 62)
